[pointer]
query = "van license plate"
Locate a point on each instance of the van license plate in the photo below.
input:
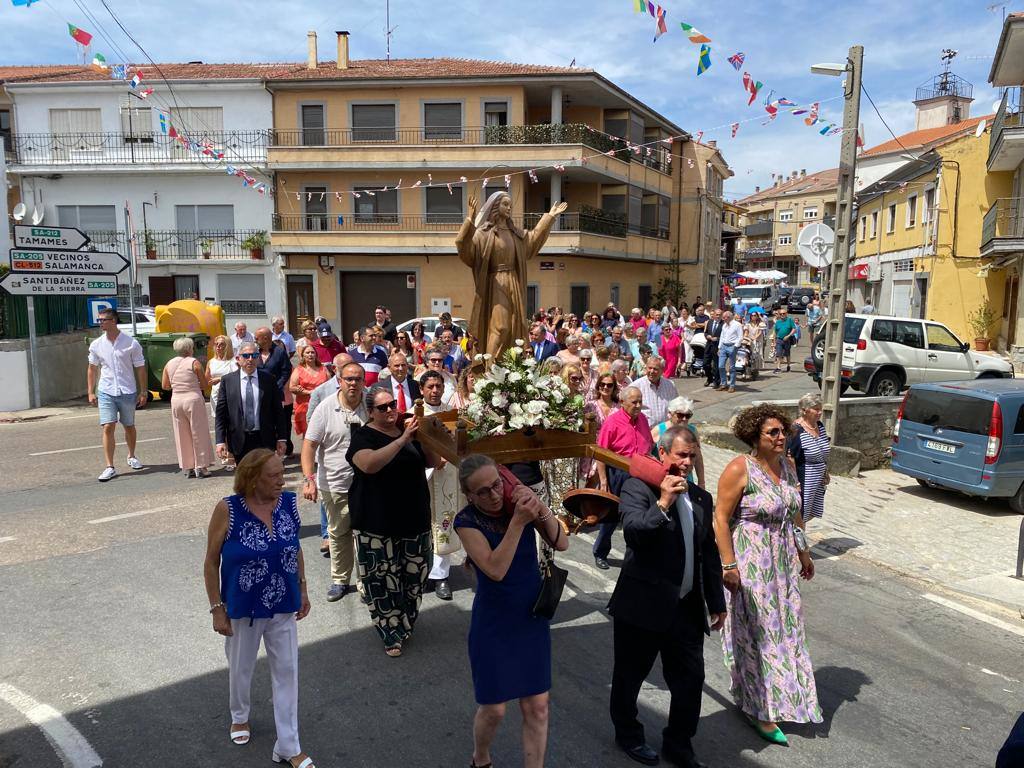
(944, 447)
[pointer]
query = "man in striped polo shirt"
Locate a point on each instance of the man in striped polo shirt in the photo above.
(373, 358)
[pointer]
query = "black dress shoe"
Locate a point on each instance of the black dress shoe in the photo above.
(601, 563)
(641, 753)
(443, 591)
(680, 759)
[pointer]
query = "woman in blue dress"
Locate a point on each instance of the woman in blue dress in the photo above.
(509, 648)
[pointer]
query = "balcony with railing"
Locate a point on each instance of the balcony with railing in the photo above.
(1002, 229)
(68, 151)
(1006, 144)
(186, 245)
(758, 229)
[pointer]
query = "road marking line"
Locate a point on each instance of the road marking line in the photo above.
(999, 674)
(6, 538)
(595, 617)
(70, 745)
(974, 614)
(92, 447)
(141, 512)
(590, 571)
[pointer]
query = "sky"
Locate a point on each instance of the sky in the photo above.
(902, 43)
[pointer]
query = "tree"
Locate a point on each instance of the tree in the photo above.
(671, 289)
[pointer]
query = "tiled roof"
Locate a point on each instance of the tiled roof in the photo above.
(822, 181)
(326, 70)
(924, 137)
(10, 74)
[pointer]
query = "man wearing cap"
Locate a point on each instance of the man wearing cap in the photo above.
(326, 344)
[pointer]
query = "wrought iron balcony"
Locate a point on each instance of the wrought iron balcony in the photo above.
(185, 245)
(542, 134)
(211, 148)
(1002, 229)
(1006, 144)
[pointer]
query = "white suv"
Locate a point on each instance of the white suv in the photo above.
(883, 355)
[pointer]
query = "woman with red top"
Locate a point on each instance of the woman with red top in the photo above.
(670, 350)
(309, 374)
(418, 339)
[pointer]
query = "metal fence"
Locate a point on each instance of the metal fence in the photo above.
(1009, 115)
(1005, 219)
(164, 244)
(141, 147)
(54, 314)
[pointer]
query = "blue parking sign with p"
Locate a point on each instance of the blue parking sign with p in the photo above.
(98, 305)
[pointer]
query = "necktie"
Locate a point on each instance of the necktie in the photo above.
(402, 407)
(250, 406)
(537, 349)
(686, 528)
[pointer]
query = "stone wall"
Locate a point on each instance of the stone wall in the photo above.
(63, 361)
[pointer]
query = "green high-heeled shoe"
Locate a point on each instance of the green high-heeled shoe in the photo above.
(772, 737)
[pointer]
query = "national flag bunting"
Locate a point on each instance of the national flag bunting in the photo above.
(737, 60)
(751, 86)
(661, 28)
(136, 80)
(163, 122)
(700, 135)
(704, 60)
(772, 110)
(99, 62)
(639, 6)
(694, 34)
(145, 93)
(785, 103)
(734, 128)
(80, 36)
(26, 3)
(812, 118)
(119, 72)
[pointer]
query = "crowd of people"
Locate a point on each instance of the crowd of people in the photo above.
(393, 512)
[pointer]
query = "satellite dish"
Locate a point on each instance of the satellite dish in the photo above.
(996, 105)
(37, 216)
(816, 244)
(19, 212)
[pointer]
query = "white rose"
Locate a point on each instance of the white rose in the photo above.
(516, 409)
(516, 422)
(479, 386)
(515, 376)
(477, 358)
(499, 400)
(557, 396)
(529, 361)
(519, 342)
(536, 407)
(488, 355)
(498, 374)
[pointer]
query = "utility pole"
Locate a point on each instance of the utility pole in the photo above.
(832, 369)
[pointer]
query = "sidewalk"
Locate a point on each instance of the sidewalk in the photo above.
(964, 544)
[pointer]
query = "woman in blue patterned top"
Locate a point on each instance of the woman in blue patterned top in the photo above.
(255, 580)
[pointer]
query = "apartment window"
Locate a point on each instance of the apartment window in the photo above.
(929, 204)
(785, 239)
(5, 129)
(643, 297)
(88, 218)
(242, 294)
(811, 212)
(911, 211)
(137, 125)
(313, 123)
(202, 227)
(495, 113)
(874, 224)
(374, 122)
(532, 299)
(903, 266)
(379, 207)
(75, 121)
(579, 299)
(490, 189)
(614, 204)
(863, 227)
(198, 121)
(636, 205)
(613, 294)
(649, 214)
(442, 121)
(890, 226)
(441, 207)
(664, 213)
(315, 208)
(785, 215)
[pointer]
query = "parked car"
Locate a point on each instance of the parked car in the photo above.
(967, 437)
(145, 320)
(764, 294)
(430, 325)
(884, 355)
(800, 298)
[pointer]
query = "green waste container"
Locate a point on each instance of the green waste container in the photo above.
(159, 349)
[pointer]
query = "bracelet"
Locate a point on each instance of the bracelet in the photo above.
(310, 478)
(215, 606)
(730, 566)
(545, 519)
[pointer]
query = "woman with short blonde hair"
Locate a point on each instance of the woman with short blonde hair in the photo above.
(183, 376)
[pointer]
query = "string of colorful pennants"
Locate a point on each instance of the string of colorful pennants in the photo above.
(751, 86)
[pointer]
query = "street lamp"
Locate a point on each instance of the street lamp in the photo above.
(832, 365)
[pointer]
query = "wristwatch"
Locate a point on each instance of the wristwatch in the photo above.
(800, 538)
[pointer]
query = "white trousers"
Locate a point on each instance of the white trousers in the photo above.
(442, 565)
(281, 640)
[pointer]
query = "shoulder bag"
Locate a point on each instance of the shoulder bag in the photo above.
(551, 587)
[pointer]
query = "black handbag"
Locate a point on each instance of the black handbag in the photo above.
(551, 587)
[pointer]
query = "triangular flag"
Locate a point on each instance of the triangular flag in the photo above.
(772, 110)
(785, 103)
(80, 36)
(136, 80)
(734, 128)
(639, 6)
(703, 60)
(737, 60)
(694, 34)
(650, 9)
(812, 118)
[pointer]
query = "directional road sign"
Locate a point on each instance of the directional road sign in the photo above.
(67, 262)
(43, 285)
(54, 238)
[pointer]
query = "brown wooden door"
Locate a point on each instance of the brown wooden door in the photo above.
(1011, 326)
(161, 290)
(361, 292)
(299, 291)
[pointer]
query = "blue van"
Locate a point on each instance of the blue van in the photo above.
(964, 435)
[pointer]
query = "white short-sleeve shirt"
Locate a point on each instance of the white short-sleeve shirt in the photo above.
(117, 361)
(331, 427)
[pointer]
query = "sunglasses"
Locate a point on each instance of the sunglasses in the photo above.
(351, 379)
(681, 415)
(249, 355)
(606, 385)
(433, 360)
(575, 378)
(773, 432)
(385, 407)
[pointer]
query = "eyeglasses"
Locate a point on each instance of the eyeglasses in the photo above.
(682, 415)
(773, 432)
(351, 379)
(249, 355)
(385, 407)
(575, 378)
(437, 360)
(606, 385)
(494, 489)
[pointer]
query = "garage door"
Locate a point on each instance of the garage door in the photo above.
(361, 292)
(901, 293)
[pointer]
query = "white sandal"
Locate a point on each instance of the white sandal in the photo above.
(307, 763)
(241, 738)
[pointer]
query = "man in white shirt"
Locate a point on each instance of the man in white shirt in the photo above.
(728, 341)
(240, 336)
(325, 444)
(280, 334)
(656, 391)
(121, 367)
(445, 496)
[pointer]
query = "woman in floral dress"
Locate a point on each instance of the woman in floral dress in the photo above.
(759, 530)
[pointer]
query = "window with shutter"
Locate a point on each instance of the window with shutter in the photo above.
(137, 125)
(75, 121)
(442, 122)
(635, 211)
(315, 205)
(95, 218)
(495, 113)
(199, 122)
(380, 207)
(443, 208)
(242, 294)
(312, 116)
(373, 122)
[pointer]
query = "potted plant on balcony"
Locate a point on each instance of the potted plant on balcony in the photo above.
(150, 245)
(205, 245)
(980, 321)
(255, 243)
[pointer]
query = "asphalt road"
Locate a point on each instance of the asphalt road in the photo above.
(105, 621)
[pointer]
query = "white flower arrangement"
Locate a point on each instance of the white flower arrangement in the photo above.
(513, 395)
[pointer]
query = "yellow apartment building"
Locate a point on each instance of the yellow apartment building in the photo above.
(733, 216)
(369, 158)
(704, 171)
(775, 216)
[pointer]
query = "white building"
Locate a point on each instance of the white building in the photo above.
(85, 145)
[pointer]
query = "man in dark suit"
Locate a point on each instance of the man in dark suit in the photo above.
(249, 413)
(670, 573)
(274, 359)
(712, 334)
(542, 348)
(404, 388)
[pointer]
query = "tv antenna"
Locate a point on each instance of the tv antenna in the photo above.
(388, 29)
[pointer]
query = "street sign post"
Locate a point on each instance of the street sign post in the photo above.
(20, 284)
(54, 238)
(67, 262)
